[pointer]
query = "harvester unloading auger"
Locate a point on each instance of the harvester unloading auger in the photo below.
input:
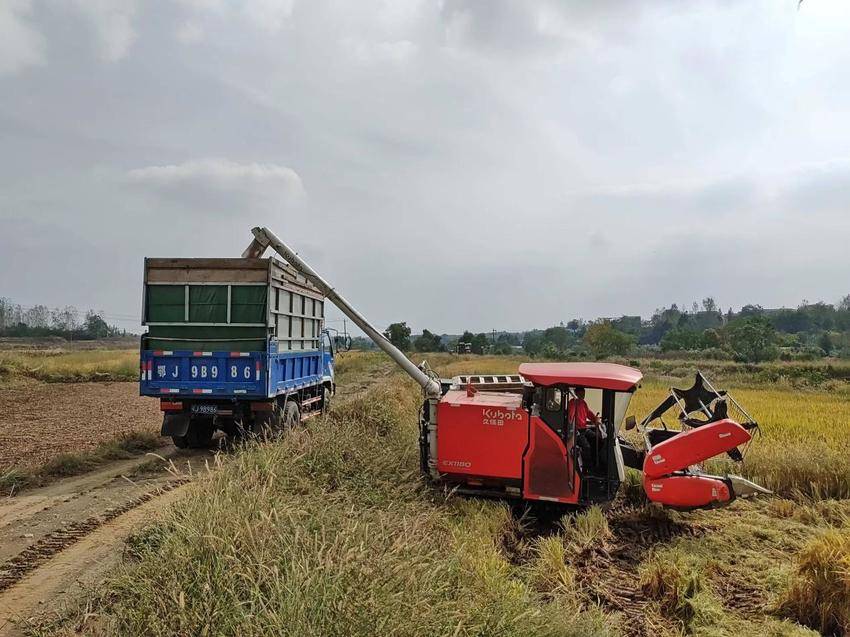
(517, 436)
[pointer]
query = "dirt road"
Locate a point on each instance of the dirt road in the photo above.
(57, 541)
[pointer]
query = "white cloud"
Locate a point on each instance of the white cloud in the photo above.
(221, 185)
(112, 21)
(395, 52)
(190, 33)
(269, 15)
(20, 45)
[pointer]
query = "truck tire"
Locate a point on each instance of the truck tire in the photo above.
(268, 423)
(200, 433)
(181, 442)
(291, 414)
(326, 400)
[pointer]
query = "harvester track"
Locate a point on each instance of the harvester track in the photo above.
(610, 575)
(31, 558)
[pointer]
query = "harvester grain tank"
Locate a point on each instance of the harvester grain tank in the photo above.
(518, 436)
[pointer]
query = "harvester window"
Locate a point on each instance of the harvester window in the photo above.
(554, 399)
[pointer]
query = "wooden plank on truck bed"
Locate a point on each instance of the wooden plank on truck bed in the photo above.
(180, 271)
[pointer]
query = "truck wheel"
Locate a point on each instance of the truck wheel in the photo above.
(291, 414)
(267, 423)
(200, 433)
(180, 442)
(326, 400)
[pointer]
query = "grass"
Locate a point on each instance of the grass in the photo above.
(587, 529)
(59, 366)
(330, 532)
(72, 464)
(818, 594)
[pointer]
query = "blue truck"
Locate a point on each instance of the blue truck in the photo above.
(236, 345)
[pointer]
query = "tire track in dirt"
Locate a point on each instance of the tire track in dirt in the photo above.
(34, 556)
(67, 577)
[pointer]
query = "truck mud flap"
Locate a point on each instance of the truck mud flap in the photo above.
(175, 425)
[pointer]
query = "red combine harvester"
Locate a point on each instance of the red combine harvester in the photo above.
(519, 437)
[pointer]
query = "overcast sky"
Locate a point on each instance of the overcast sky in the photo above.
(457, 164)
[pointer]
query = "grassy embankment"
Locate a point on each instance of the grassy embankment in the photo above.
(329, 531)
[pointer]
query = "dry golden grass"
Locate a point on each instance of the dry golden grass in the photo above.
(68, 367)
(329, 531)
(818, 594)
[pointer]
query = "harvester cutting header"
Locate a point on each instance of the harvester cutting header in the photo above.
(552, 432)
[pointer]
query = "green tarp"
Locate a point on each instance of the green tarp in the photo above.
(166, 303)
(248, 304)
(208, 304)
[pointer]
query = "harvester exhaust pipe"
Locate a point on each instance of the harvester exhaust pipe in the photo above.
(263, 238)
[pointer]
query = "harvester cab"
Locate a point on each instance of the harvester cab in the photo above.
(517, 435)
(527, 436)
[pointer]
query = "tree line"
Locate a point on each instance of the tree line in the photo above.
(66, 322)
(752, 334)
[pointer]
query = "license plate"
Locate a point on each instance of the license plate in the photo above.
(205, 409)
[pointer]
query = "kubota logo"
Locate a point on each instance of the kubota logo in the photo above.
(497, 417)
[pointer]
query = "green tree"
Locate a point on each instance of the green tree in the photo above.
(532, 342)
(95, 326)
(603, 340)
(711, 339)
(753, 339)
(480, 343)
(502, 348)
(399, 335)
(428, 342)
(826, 344)
(681, 339)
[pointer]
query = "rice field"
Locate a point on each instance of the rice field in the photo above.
(330, 531)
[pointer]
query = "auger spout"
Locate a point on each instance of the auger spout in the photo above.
(264, 238)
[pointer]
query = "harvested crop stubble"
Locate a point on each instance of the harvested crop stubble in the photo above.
(328, 531)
